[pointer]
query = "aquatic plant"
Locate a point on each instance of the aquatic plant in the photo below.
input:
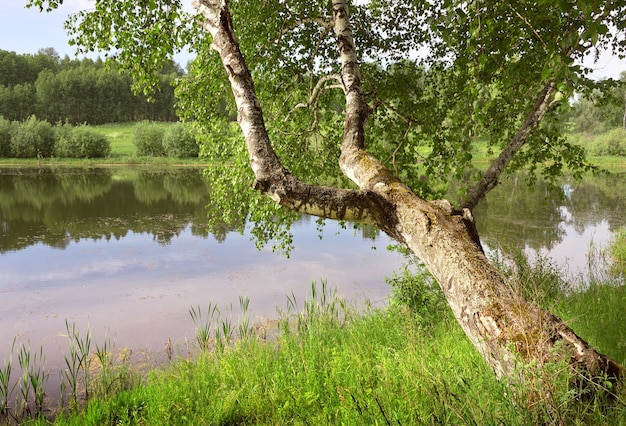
(77, 362)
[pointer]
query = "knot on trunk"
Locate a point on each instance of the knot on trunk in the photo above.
(466, 218)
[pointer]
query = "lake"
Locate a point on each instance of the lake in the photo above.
(126, 252)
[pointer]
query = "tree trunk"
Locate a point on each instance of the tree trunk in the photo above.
(624, 116)
(505, 328)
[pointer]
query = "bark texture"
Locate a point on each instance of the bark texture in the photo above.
(503, 327)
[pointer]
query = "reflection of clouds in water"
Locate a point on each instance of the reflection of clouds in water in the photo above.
(140, 292)
(572, 252)
(75, 273)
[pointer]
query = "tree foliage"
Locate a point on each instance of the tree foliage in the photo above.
(80, 91)
(438, 77)
(32, 139)
(81, 142)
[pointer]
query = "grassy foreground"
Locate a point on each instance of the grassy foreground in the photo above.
(333, 364)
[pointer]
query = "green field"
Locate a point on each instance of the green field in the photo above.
(123, 151)
(121, 137)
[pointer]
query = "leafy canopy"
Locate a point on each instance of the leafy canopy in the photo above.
(439, 76)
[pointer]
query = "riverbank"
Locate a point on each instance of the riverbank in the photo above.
(331, 363)
(124, 152)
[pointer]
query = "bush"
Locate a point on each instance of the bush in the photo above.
(33, 138)
(180, 142)
(414, 287)
(6, 128)
(612, 142)
(81, 142)
(148, 139)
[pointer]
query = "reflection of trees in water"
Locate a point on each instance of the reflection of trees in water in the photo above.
(599, 199)
(514, 216)
(57, 207)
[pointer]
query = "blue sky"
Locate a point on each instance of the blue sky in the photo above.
(26, 31)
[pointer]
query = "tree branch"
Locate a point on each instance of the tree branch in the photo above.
(489, 179)
(272, 178)
(317, 91)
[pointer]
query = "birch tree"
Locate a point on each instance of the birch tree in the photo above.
(365, 112)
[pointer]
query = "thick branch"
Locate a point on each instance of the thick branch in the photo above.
(363, 169)
(489, 179)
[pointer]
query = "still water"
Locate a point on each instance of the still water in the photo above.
(126, 252)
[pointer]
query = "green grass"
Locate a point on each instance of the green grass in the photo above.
(617, 251)
(374, 368)
(121, 137)
(333, 364)
(123, 151)
(598, 315)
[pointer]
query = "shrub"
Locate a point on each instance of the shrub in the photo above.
(414, 287)
(33, 138)
(612, 142)
(6, 128)
(180, 142)
(81, 142)
(148, 139)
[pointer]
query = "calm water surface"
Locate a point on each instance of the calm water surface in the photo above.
(126, 252)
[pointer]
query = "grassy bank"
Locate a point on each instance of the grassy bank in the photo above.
(123, 151)
(333, 364)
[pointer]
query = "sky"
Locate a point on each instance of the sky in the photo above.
(26, 31)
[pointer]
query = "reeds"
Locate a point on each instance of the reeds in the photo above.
(214, 330)
(6, 386)
(77, 363)
(29, 399)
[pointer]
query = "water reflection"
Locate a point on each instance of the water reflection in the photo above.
(56, 207)
(128, 250)
(562, 223)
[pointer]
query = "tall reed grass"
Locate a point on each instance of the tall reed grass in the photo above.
(331, 363)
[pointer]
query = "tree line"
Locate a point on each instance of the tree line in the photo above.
(79, 91)
(603, 109)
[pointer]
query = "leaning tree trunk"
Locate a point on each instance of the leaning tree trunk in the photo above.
(501, 325)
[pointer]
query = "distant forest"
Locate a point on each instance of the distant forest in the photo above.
(77, 91)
